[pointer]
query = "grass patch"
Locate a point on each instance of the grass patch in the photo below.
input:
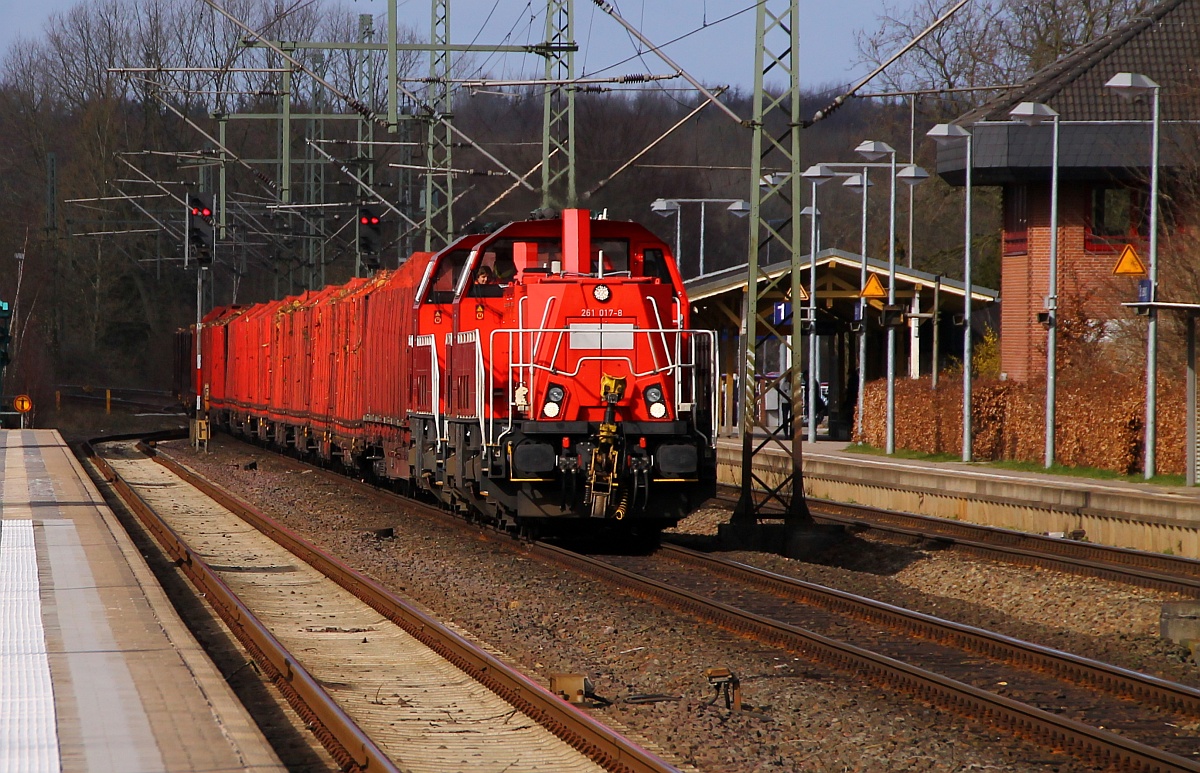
(902, 453)
(1090, 472)
(1008, 464)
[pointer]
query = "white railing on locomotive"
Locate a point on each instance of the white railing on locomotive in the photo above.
(684, 371)
(666, 347)
(471, 338)
(435, 383)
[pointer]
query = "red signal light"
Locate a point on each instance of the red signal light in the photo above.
(206, 212)
(195, 210)
(364, 220)
(374, 220)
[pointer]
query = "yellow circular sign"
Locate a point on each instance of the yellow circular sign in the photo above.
(22, 404)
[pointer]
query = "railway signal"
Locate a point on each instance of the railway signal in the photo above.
(5, 335)
(370, 233)
(201, 233)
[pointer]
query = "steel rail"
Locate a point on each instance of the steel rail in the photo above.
(337, 732)
(1006, 714)
(587, 735)
(1047, 729)
(1174, 574)
(1103, 677)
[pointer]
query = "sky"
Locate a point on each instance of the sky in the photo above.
(713, 48)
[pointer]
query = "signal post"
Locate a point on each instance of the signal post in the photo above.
(200, 233)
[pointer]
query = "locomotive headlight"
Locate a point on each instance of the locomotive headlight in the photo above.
(555, 394)
(653, 395)
(601, 293)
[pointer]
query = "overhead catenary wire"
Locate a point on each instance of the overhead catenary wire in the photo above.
(657, 50)
(356, 105)
(346, 171)
(829, 109)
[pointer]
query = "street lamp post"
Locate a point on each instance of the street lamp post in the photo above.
(912, 176)
(817, 174)
(946, 133)
(1034, 114)
(1130, 85)
(666, 207)
(861, 182)
(873, 150)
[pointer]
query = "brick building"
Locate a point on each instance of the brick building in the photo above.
(1104, 161)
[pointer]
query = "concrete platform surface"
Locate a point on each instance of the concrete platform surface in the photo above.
(1112, 512)
(97, 672)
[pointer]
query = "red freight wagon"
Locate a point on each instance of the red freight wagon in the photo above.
(255, 372)
(390, 325)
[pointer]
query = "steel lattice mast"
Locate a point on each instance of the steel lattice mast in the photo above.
(775, 184)
(558, 115)
(439, 180)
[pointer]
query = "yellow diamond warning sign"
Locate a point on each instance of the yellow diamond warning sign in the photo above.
(874, 288)
(1129, 264)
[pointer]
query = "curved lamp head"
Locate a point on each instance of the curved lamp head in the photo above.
(818, 173)
(873, 150)
(771, 179)
(740, 208)
(1130, 85)
(1033, 113)
(912, 175)
(947, 132)
(855, 182)
(664, 207)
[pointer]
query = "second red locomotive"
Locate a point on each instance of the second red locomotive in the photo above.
(543, 376)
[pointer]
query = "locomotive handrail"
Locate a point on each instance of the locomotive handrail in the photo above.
(666, 347)
(435, 378)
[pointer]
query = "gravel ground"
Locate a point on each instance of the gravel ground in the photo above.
(1096, 618)
(804, 716)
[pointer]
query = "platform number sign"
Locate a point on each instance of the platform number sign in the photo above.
(22, 404)
(5, 337)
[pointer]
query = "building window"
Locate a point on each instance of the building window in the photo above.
(1114, 218)
(1016, 220)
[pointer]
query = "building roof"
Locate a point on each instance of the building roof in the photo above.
(1162, 43)
(846, 263)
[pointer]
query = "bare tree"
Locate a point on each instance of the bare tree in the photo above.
(988, 42)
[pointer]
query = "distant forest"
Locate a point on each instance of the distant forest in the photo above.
(102, 287)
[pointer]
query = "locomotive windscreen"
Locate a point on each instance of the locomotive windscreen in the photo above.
(441, 289)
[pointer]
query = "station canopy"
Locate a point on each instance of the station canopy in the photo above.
(717, 297)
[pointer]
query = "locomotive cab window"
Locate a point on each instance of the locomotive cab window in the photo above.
(441, 289)
(654, 264)
(610, 256)
(509, 266)
(492, 273)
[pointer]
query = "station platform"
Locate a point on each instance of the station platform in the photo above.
(97, 671)
(1112, 512)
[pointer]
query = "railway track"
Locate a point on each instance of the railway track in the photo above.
(1068, 704)
(385, 687)
(1173, 574)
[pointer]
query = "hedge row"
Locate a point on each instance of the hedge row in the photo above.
(1099, 420)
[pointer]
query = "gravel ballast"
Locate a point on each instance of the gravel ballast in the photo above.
(804, 716)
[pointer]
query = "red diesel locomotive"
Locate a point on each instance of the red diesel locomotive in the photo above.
(542, 376)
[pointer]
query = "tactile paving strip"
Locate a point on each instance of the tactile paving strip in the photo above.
(28, 727)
